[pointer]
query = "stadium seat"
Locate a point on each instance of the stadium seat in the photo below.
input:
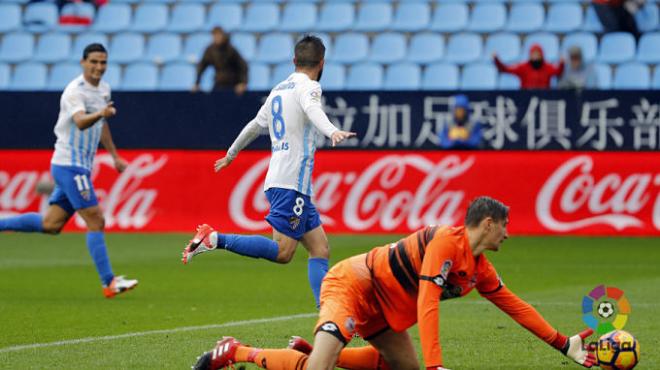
(29, 76)
(84, 39)
(591, 21)
(126, 1)
(411, 17)
(112, 18)
(374, 17)
(617, 47)
(464, 48)
(440, 76)
(5, 76)
(227, 16)
(365, 76)
(525, 18)
(177, 77)
(259, 77)
(507, 81)
(388, 48)
(506, 45)
(80, 10)
(586, 41)
(150, 18)
(16, 47)
(261, 17)
(403, 76)
(479, 76)
(52, 48)
(334, 77)
(648, 50)
(604, 76)
(113, 76)
(281, 72)
(163, 48)
(548, 41)
(564, 17)
(632, 76)
(647, 17)
(61, 74)
(140, 77)
(275, 48)
(350, 48)
(336, 17)
(194, 47)
(426, 48)
(489, 17)
(40, 17)
(298, 17)
(10, 17)
(655, 84)
(187, 18)
(450, 18)
(246, 44)
(126, 47)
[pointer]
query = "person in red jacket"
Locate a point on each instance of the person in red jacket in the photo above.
(534, 73)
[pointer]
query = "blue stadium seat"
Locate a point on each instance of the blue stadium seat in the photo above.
(140, 77)
(464, 48)
(79, 10)
(655, 84)
(195, 46)
(334, 77)
(479, 76)
(17, 1)
(487, 17)
(281, 72)
(259, 77)
(507, 81)
(126, 47)
(163, 1)
(246, 44)
(586, 41)
(388, 47)
(450, 18)
(632, 76)
(52, 48)
(187, 18)
(525, 18)
(126, 1)
(61, 74)
(440, 76)
(113, 76)
(548, 41)
(163, 48)
(113, 18)
(336, 17)
(411, 17)
(403, 76)
(29, 76)
(10, 17)
(647, 17)
(604, 76)
(261, 17)
(177, 77)
(365, 76)
(298, 17)
(617, 47)
(591, 21)
(506, 45)
(150, 18)
(374, 17)
(648, 50)
(564, 17)
(84, 39)
(426, 48)
(5, 76)
(16, 47)
(275, 48)
(350, 48)
(40, 17)
(227, 16)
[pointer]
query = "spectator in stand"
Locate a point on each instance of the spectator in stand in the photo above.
(618, 15)
(578, 75)
(230, 67)
(461, 133)
(534, 73)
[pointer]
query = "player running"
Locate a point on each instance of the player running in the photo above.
(380, 294)
(291, 113)
(85, 107)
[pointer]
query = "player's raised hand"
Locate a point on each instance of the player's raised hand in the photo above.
(578, 351)
(222, 163)
(109, 110)
(120, 164)
(340, 136)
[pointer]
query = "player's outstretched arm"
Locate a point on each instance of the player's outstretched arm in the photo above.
(109, 145)
(576, 349)
(250, 132)
(222, 163)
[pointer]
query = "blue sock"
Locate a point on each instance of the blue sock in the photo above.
(316, 270)
(249, 245)
(28, 222)
(96, 246)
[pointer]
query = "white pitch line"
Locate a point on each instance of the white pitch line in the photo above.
(152, 332)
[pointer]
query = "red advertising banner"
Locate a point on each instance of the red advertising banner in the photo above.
(363, 191)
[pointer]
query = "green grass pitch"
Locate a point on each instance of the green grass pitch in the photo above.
(50, 294)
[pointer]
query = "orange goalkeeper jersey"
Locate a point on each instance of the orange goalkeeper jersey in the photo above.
(410, 278)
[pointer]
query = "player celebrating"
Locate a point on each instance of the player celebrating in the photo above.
(380, 294)
(85, 107)
(291, 112)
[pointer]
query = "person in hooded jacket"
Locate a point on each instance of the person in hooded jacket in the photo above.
(231, 70)
(462, 132)
(534, 73)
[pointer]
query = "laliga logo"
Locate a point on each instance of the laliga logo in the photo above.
(605, 309)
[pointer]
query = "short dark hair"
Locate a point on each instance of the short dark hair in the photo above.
(93, 48)
(483, 207)
(309, 51)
